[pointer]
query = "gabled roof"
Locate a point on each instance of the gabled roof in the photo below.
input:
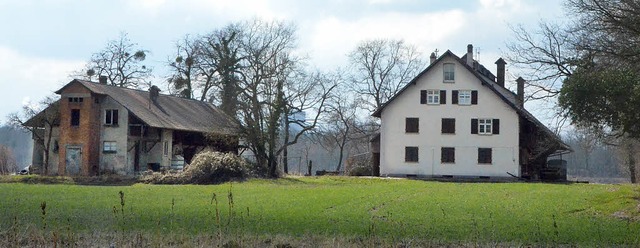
(487, 79)
(169, 112)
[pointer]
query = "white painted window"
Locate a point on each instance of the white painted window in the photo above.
(485, 126)
(433, 96)
(464, 97)
(449, 72)
(109, 146)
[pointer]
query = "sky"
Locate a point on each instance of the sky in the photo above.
(43, 41)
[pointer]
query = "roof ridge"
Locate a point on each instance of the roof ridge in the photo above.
(141, 90)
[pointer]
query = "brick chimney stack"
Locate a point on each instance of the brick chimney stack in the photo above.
(102, 79)
(500, 71)
(470, 55)
(520, 93)
(432, 58)
(154, 92)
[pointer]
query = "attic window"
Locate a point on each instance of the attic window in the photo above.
(75, 99)
(449, 72)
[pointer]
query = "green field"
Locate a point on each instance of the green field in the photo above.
(350, 210)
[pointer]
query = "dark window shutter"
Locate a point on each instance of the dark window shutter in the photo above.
(454, 97)
(474, 126)
(474, 97)
(443, 97)
(496, 126)
(423, 97)
(107, 117)
(115, 117)
(412, 125)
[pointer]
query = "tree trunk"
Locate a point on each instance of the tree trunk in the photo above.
(631, 163)
(285, 152)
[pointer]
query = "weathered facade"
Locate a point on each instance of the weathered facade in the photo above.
(457, 119)
(108, 129)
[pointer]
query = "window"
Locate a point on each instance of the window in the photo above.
(448, 125)
(75, 117)
(433, 97)
(464, 97)
(449, 72)
(412, 125)
(165, 148)
(75, 99)
(109, 147)
(111, 117)
(485, 126)
(411, 154)
(447, 155)
(484, 155)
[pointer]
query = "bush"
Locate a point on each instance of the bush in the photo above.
(205, 168)
(362, 170)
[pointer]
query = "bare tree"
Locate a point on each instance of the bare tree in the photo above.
(39, 121)
(184, 66)
(121, 62)
(380, 68)
(547, 55)
(7, 161)
(273, 85)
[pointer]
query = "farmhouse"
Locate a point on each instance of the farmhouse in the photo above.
(101, 128)
(455, 118)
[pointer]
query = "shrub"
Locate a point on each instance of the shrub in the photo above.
(216, 167)
(360, 170)
(206, 168)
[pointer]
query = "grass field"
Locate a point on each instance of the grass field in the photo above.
(350, 211)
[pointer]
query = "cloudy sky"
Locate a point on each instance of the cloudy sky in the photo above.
(42, 41)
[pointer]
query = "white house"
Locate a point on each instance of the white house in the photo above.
(455, 118)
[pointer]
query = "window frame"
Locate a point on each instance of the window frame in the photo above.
(414, 127)
(109, 147)
(485, 126)
(485, 155)
(464, 97)
(109, 115)
(447, 155)
(75, 99)
(433, 97)
(409, 151)
(449, 76)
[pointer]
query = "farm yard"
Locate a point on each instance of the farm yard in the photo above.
(319, 211)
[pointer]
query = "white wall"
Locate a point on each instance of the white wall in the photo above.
(114, 162)
(429, 140)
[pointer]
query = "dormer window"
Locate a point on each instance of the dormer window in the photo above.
(449, 72)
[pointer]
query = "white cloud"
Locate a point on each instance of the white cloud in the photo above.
(332, 38)
(26, 79)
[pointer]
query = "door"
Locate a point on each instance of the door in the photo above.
(73, 160)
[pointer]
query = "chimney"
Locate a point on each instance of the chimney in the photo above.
(102, 79)
(500, 71)
(432, 58)
(470, 55)
(154, 92)
(520, 93)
